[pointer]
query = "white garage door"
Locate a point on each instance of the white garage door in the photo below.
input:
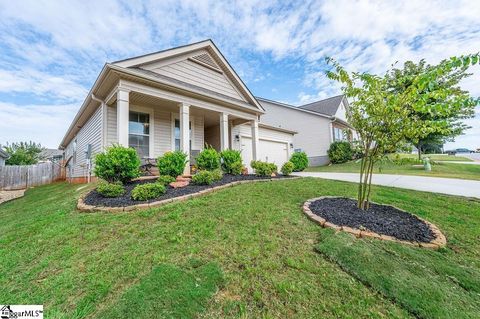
(269, 151)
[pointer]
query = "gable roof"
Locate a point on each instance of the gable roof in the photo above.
(296, 108)
(219, 63)
(327, 106)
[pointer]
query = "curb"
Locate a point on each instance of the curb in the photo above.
(82, 206)
(438, 242)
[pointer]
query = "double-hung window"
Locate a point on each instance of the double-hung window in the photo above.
(139, 133)
(177, 134)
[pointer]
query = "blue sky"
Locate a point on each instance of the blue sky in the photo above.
(52, 51)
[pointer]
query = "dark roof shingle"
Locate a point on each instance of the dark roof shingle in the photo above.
(328, 106)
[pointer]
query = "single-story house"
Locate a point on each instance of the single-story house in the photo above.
(3, 157)
(51, 155)
(181, 99)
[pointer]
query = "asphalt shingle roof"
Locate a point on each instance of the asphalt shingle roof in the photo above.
(328, 106)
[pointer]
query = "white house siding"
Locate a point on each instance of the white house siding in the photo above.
(313, 131)
(264, 134)
(341, 112)
(90, 133)
(111, 130)
(194, 73)
(162, 130)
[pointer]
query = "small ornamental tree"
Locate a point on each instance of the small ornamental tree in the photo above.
(117, 164)
(385, 119)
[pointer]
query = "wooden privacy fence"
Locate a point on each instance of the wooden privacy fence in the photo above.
(24, 176)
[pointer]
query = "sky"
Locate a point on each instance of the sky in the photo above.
(52, 51)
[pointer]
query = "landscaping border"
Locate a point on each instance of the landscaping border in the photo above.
(438, 242)
(82, 206)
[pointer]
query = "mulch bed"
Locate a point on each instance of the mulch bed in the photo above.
(95, 199)
(381, 219)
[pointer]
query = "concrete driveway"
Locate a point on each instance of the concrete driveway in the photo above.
(450, 186)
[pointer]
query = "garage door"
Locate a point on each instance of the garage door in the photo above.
(269, 151)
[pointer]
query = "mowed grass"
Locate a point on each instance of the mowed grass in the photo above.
(439, 169)
(243, 252)
(437, 157)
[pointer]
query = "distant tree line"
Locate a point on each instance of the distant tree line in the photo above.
(23, 153)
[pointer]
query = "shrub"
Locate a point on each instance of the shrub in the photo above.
(208, 159)
(110, 189)
(172, 163)
(287, 168)
(231, 162)
(117, 164)
(207, 177)
(165, 179)
(148, 191)
(340, 152)
(263, 168)
(299, 160)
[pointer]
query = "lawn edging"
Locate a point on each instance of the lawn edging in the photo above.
(82, 206)
(438, 242)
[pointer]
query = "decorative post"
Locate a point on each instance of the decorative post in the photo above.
(224, 139)
(122, 116)
(185, 134)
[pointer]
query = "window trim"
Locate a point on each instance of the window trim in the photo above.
(176, 116)
(151, 113)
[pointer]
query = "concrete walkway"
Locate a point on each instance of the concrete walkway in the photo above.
(458, 162)
(6, 196)
(450, 186)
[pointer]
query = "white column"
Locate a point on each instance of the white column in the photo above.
(122, 116)
(255, 140)
(185, 133)
(224, 139)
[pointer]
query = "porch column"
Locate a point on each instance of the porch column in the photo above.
(224, 139)
(254, 124)
(122, 116)
(185, 134)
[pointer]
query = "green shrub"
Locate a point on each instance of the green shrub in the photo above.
(208, 159)
(172, 163)
(263, 168)
(166, 179)
(287, 168)
(148, 191)
(207, 177)
(299, 160)
(340, 152)
(117, 164)
(110, 189)
(231, 162)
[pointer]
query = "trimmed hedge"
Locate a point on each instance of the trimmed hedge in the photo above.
(207, 177)
(263, 168)
(231, 162)
(117, 164)
(110, 189)
(172, 163)
(208, 159)
(287, 168)
(299, 160)
(340, 152)
(148, 191)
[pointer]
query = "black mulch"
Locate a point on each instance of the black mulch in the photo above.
(381, 219)
(95, 199)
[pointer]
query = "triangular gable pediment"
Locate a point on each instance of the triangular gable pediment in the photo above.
(200, 64)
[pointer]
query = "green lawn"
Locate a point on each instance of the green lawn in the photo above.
(243, 252)
(438, 157)
(450, 170)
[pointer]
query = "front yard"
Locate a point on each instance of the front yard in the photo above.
(243, 252)
(439, 169)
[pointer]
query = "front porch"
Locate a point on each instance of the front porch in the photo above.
(144, 118)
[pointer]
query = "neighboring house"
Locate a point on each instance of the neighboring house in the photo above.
(317, 124)
(3, 157)
(51, 154)
(183, 99)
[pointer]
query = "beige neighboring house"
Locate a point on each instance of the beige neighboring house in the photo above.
(177, 99)
(317, 124)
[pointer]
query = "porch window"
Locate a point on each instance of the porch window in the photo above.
(139, 133)
(177, 134)
(339, 134)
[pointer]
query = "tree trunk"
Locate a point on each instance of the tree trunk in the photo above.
(419, 148)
